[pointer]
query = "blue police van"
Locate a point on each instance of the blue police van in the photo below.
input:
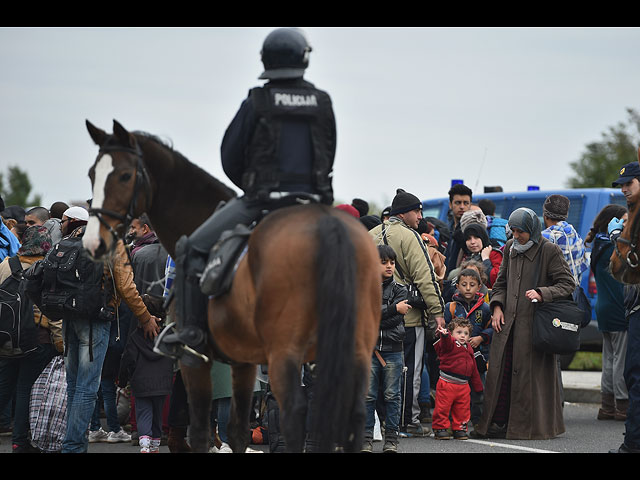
(586, 203)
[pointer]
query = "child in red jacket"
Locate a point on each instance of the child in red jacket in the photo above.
(457, 369)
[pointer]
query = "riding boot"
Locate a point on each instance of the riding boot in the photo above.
(188, 341)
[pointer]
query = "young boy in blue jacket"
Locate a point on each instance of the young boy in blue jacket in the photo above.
(469, 303)
(388, 359)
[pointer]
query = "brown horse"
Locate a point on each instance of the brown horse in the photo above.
(625, 259)
(308, 290)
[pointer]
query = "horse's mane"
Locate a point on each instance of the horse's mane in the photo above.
(203, 175)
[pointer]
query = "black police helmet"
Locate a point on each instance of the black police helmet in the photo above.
(285, 54)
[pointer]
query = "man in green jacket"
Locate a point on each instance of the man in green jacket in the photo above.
(413, 266)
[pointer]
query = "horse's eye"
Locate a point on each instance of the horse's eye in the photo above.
(125, 177)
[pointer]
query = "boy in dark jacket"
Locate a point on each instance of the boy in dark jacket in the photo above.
(457, 370)
(388, 360)
(468, 302)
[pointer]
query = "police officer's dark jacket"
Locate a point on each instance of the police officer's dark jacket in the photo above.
(282, 139)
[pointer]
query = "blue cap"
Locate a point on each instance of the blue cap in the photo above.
(627, 173)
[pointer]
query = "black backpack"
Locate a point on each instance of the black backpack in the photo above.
(18, 331)
(72, 282)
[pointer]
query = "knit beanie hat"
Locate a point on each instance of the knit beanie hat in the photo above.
(361, 205)
(477, 230)
(556, 207)
(370, 221)
(404, 202)
(351, 210)
(472, 216)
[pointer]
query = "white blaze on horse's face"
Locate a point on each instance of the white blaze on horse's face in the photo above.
(91, 237)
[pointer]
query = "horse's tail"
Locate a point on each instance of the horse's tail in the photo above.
(335, 299)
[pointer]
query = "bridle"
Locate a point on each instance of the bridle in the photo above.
(632, 258)
(142, 183)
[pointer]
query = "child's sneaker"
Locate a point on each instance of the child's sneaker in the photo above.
(154, 447)
(145, 444)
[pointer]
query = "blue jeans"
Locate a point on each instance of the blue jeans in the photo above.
(389, 379)
(18, 375)
(83, 378)
(108, 394)
(221, 415)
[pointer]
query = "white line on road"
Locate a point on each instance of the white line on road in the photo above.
(506, 445)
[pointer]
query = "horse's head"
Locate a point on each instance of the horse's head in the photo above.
(120, 186)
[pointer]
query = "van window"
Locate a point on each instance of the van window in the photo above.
(501, 206)
(619, 200)
(431, 211)
(535, 204)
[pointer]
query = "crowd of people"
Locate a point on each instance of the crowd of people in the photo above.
(481, 300)
(454, 296)
(431, 373)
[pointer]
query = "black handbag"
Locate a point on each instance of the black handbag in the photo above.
(556, 325)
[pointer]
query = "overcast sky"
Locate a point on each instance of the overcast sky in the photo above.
(415, 107)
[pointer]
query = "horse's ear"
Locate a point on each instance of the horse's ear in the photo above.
(98, 136)
(123, 135)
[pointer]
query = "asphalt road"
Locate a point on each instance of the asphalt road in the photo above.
(584, 434)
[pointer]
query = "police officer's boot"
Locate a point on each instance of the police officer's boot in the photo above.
(187, 341)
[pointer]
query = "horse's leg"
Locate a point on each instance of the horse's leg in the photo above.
(357, 418)
(284, 379)
(197, 382)
(243, 378)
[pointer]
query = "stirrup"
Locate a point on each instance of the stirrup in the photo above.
(175, 351)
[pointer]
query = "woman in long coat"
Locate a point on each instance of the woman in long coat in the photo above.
(523, 397)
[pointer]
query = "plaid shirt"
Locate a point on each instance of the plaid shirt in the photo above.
(565, 236)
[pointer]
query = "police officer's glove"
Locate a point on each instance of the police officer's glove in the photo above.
(615, 226)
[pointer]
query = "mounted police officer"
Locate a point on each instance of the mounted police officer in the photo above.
(281, 142)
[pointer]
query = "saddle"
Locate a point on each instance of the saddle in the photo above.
(223, 261)
(225, 255)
